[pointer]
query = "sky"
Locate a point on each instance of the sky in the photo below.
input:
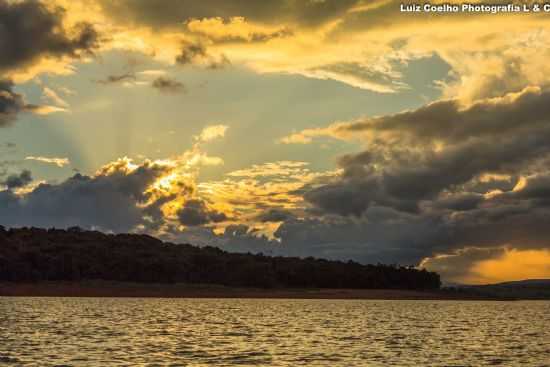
(341, 129)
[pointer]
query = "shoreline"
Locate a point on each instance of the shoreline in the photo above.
(144, 290)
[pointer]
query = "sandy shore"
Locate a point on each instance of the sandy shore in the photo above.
(115, 289)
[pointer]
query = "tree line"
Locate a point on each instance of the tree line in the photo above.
(34, 254)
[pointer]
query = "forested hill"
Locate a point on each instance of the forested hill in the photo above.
(31, 254)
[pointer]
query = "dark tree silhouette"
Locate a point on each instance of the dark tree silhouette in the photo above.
(33, 254)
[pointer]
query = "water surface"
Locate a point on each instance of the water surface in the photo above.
(231, 332)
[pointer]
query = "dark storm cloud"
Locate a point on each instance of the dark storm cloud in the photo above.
(171, 13)
(398, 170)
(153, 215)
(383, 234)
(275, 215)
(537, 189)
(460, 202)
(18, 180)
(30, 30)
(449, 121)
(389, 235)
(167, 85)
(196, 213)
(11, 103)
(347, 197)
(460, 164)
(482, 186)
(107, 201)
(434, 181)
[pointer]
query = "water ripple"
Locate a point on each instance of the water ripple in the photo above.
(195, 332)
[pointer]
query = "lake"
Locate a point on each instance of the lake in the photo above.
(264, 332)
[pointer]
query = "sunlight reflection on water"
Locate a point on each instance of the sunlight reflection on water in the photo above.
(229, 332)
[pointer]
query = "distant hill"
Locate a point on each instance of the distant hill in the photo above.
(33, 254)
(522, 289)
(527, 283)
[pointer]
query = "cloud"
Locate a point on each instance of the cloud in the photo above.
(66, 91)
(457, 266)
(172, 12)
(50, 94)
(151, 196)
(59, 162)
(218, 63)
(235, 30)
(32, 31)
(415, 194)
(16, 181)
(190, 52)
(445, 121)
(513, 264)
(109, 200)
(362, 45)
(450, 182)
(161, 83)
(358, 75)
(11, 103)
(491, 265)
(152, 72)
(118, 78)
(417, 155)
(248, 195)
(167, 85)
(44, 109)
(196, 212)
(296, 138)
(279, 168)
(196, 53)
(232, 30)
(212, 132)
(275, 215)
